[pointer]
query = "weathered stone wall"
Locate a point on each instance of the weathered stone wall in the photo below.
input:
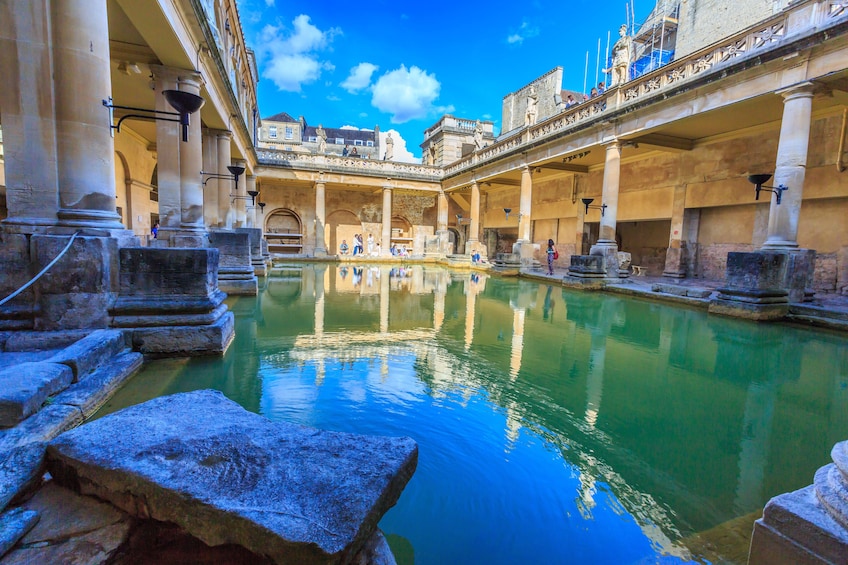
(515, 103)
(703, 22)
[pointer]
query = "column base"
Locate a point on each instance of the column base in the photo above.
(755, 287)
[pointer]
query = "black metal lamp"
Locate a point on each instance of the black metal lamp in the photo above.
(507, 211)
(588, 203)
(758, 181)
(236, 173)
(185, 104)
(262, 207)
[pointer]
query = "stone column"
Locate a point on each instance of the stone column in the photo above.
(606, 245)
(524, 205)
(85, 150)
(224, 186)
(675, 258)
(320, 219)
(167, 155)
(442, 214)
(251, 212)
(27, 113)
(210, 185)
(191, 162)
(386, 244)
(241, 191)
(474, 233)
(790, 167)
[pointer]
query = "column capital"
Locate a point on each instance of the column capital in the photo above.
(163, 73)
(804, 89)
(613, 143)
(190, 79)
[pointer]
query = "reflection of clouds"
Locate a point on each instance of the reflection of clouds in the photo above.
(354, 390)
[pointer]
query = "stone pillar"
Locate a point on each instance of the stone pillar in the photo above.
(191, 162)
(85, 150)
(524, 205)
(251, 211)
(790, 167)
(606, 245)
(224, 186)
(474, 233)
(27, 112)
(241, 191)
(167, 155)
(442, 214)
(386, 244)
(675, 258)
(210, 185)
(320, 219)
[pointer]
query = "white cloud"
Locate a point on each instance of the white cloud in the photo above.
(293, 56)
(363, 114)
(269, 3)
(399, 147)
(350, 127)
(359, 78)
(525, 31)
(407, 94)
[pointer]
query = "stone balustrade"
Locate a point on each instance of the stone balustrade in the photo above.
(329, 163)
(802, 18)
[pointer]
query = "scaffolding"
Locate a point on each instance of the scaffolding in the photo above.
(655, 41)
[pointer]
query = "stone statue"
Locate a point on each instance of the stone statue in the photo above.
(390, 147)
(622, 54)
(431, 154)
(532, 110)
(478, 135)
(322, 139)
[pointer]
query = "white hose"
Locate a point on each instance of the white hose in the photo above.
(44, 270)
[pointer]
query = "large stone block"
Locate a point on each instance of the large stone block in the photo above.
(177, 341)
(587, 266)
(170, 272)
(96, 349)
(25, 387)
(228, 476)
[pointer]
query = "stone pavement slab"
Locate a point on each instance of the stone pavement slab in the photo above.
(25, 387)
(227, 476)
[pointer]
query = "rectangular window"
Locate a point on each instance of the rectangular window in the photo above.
(369, 143)
(313, 139)
(340, 141)
(289, 132)
(357, 142)
(272, 132)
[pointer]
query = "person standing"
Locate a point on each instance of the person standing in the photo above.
(370, 245)
(552, 254)
(155, 230)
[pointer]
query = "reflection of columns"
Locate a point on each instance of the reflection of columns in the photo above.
(791, 166)
(442, 214)
(754, 447)
(470, 310)
(612, 176)
(517, 348)
(167, 152)
(386, 243)
(524, 204)
(225, 186)
(27, 115)
(320, 369)
(251, 212)
(595, 377)
(438, 307)
(241, 190)
(85, 150)
(320, 218)
(474, 234)
(384, 302)
(191, 159)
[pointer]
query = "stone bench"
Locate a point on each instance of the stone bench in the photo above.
(228, 476)
(638, 270)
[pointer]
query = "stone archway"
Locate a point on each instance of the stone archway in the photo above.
(284, 231)
(123, 199)
(455, 239)
(341, 226)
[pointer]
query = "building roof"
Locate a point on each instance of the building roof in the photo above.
(344, 133)
(281, 117)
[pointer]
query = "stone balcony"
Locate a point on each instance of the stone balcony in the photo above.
(348, 165)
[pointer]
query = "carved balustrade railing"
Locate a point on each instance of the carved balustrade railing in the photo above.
(801, 18)
(353, 165)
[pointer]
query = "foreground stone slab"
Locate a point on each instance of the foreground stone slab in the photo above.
(25, 387)
(227, 476)
(13, 526)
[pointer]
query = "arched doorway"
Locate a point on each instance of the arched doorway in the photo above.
(401, 232)
(284, 232)
(341, 225)
(454, 238)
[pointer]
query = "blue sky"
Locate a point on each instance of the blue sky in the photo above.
(402, 65)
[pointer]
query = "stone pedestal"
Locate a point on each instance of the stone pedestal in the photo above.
(587, 267)
(526, 251)
(170, 303)
(810, 525)
(235, 271)
(675, 261)
(755, 287)
(260, 269)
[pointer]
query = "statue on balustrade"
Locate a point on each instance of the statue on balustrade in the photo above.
(622, 55)
(532, 109)
(390, 148)
(478, 135)
(322, 138)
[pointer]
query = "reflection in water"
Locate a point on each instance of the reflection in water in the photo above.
(554, 427)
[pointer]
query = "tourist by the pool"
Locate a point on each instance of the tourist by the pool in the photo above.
(552, 254)
(344, 247)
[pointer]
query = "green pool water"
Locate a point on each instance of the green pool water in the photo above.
(553, 426)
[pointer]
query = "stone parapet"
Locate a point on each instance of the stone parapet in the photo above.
(235, 270)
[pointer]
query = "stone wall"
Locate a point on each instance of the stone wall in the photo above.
(134, 166)
(515, 103)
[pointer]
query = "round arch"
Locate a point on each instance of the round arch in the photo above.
(283, 230)
(123, 200)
